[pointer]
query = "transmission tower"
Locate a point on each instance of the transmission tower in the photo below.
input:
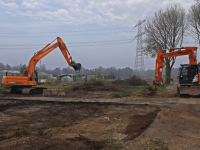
(139, 60)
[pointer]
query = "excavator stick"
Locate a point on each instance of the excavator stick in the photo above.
(76, 66)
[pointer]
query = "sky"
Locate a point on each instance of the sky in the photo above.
(96, 32)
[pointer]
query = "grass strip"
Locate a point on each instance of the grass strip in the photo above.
(127, 93)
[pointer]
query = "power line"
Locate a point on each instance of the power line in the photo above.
(71, 42)
(72, 46)
(94, 30)
(101, 44)
(100, 41)
(105, 41)
(62, 35)
(58, 26)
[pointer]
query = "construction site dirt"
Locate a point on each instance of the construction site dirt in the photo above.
(65, 123)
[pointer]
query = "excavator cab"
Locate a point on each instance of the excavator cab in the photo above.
(189, 80)
(188, 75)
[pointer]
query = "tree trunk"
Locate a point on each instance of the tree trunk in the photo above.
(168, 72)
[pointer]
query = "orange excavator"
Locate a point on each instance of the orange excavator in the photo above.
(25, 84)
(189, 76)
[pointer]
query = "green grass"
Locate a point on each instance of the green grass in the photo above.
(58, 85)
(161, 89)
(1, 84)
(127, 93)
(112, 145)
(1, 87)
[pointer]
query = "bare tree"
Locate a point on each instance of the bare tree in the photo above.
(2, 67)
(164, 30)
(194, 20)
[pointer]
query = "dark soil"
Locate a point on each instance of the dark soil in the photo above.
(134, 129)
(41, 126)
(98, 85)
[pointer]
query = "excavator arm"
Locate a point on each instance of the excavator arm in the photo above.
(46, 50)
(190, 51)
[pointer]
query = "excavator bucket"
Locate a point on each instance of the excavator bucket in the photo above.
(76, 66)
(150, 91)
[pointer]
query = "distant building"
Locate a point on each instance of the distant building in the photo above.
(42, 77)
(90, 76)
(66, 79)
(72, 77)
(110, 77)
(9, 72)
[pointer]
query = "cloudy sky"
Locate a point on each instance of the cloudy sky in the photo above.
(96, 32)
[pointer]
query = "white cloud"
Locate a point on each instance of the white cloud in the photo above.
(115, 12)
(10, 13)
(10, 5)
(34, 4)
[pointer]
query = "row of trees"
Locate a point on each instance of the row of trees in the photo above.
(99, 72)
(167, 28)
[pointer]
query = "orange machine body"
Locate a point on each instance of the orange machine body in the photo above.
(18, 81)
(30, 75)
(190, 51)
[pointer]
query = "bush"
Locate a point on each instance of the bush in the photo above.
(118, 81)
(91, 85)
(133, 80)
(0, 83)
(50, 82)
(94, 83)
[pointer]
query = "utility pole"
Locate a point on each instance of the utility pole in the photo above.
(139, 59)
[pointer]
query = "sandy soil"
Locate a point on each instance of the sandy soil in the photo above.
(33, 125)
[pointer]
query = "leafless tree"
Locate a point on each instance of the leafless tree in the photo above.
(2, 67)
(164, 30)
(194, 20)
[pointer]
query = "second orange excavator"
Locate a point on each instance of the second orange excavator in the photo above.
(25, 84)
(189, 74)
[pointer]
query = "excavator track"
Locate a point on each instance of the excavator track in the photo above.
(24, 90)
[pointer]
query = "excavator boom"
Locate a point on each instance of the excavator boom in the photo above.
(46, 50)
